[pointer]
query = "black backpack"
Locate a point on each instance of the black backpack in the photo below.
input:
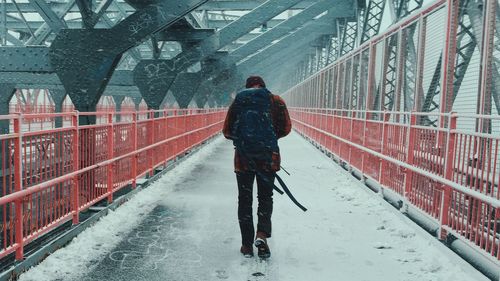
(253, 128)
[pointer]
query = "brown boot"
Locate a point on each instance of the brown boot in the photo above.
(261, 243)
(247, 251)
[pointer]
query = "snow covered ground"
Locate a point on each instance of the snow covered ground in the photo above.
(184, 227)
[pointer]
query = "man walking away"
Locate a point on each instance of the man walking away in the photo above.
(255, 121)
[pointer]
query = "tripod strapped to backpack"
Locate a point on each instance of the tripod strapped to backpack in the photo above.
(252, 164)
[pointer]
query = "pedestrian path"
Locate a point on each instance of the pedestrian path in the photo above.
(184, 227)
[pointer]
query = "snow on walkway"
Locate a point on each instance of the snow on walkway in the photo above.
(184, 227)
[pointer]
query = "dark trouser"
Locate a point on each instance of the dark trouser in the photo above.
(265, 183)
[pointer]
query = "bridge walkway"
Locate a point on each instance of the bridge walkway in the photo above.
(184, 227)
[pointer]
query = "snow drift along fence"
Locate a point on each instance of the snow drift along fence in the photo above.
(387, 107)
(48, 176)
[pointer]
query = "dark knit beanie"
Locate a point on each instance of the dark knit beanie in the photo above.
(255, 80)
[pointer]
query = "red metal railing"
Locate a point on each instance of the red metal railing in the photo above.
(49, 176)
(451, 174)
(370, 109)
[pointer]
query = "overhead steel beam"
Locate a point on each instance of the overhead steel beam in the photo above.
(89, 17)
(41, 80)
(372, 19)
(341, 8)
(18, 25)
(153, 87)
(240, 5)
(244, 5)
(310, 31)
(220, 23)
(13, 40)
(287, 45)
(25, 59)
(85, 8)
(267, 69)
(283, 63)
(50, 17)
(306, 34)
(86, 59)
(232, 32)
(44, 30)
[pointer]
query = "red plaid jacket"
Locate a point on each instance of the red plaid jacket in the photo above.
(282, 126)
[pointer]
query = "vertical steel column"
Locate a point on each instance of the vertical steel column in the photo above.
(410, 156)
(383, 163)
(400, 63)
(371, 79)
(151, 141)
(75, 198)
(419, 94)
(18, 186)
(4, 23)
(372, 53)
(486, 78)
(448, 173)
(111, 166)
(134, 157)
(449, 53)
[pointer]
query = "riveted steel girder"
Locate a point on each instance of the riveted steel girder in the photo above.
(274, 55)
(372, 19)
(50, 17)
(310, 31)
(25, 59)
(234, 5)
(231, 32)
(341, 8)
(85, 59)
(206, 48)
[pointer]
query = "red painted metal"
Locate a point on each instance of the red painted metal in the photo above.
(49, 176)
(450, 172)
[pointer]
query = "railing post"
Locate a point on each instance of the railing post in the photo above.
(410, 155)
(385, 117)
(448, 173)
(134, 143)
(363, 140)
(111, 166)
(341, 121)
(353, 117)
(76, 166)
(151, 141)
(18, 170)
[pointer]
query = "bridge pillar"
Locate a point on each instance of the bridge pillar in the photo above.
(205, 90)
(225, 83)
(7, 91)
(137, 102)
(58, 97)
(185, 87)
(118, 106)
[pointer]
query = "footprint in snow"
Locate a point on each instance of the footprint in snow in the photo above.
(431, 268)
(382, 246)
(221, 274)
(228, 240)
(406, 234)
